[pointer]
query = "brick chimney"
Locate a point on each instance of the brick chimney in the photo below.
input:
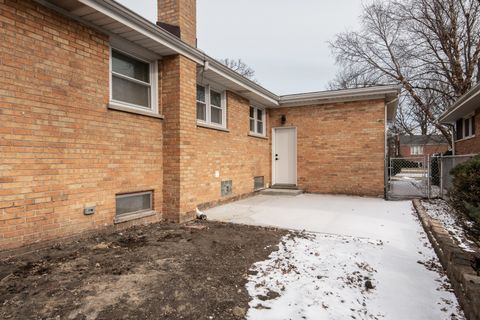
(179, 17)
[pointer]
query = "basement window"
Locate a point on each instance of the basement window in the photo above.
(133, 82)
(133, 203)
(257, 121)
(211, 107)
(258, 183)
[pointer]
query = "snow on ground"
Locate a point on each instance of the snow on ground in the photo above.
(322, 273)
(316, 280)
(440, 210)
(318, 276)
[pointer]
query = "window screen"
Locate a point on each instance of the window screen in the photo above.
(201, 104)
(133, 203)
(459, 129)
(130, 80)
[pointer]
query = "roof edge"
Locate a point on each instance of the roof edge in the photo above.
(180, 46)
(150, 29)
(472, 93)
(340, 94)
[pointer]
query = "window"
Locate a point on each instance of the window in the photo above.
(201, 104)
(133, 82)
(465, 127)
(258, 183)
(257, 121)
(416, 150)
(211, 107)
(132, 203)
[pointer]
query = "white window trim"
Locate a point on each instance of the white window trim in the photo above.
(471, 119)
(208, 122)
(130, 107)
(255, 119)
(417, 150)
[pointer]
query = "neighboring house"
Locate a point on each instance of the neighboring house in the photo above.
(464, 116)
(420, 146)
(109, 120)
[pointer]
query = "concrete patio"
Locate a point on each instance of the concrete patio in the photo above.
(408, 284)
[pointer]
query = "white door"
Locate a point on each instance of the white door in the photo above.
(285, 156)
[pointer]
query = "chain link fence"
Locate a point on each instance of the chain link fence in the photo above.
(421, 177)
(440, 177)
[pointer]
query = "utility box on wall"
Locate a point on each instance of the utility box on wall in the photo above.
(226, 188)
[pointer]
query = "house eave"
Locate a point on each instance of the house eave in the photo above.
(387, 93)
(114, 19)
(465, 105)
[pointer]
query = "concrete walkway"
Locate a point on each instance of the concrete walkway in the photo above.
(405, 288)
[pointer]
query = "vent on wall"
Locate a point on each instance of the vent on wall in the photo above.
(258, 183)
(226, 188)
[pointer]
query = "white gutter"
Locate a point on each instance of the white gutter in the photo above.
(353, 94)
(120, 13)
(466, 98)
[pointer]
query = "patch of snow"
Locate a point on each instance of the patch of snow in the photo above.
(440, 210)
(410, 175)
(322, 276)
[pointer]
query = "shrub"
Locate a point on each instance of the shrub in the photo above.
(465, 192)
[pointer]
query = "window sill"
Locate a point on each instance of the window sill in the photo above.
(210, 126)
(119, 107)
(465, 139)
(133, 216)
(258, 136)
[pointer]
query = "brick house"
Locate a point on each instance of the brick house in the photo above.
(421, 145)
(109, 120)
(464, 117)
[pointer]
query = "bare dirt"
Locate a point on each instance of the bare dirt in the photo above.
(160, 271)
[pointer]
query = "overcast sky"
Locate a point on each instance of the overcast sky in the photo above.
(284, 41)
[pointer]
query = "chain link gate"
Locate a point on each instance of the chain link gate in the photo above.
(408, 178)
(421, 177)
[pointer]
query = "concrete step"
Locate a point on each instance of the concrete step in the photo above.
(281, 192)
(284, 186)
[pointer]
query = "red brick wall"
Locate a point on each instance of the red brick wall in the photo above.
(61, 149)
(471, 145)
(340, 146)
(178, 100)
(236, 155)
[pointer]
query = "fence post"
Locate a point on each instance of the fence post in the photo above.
(441, 175)
(429, 176)
(389, 186)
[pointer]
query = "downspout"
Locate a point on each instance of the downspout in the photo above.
(385, 168)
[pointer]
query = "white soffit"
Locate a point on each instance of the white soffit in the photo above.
(465, 105)
(112, 18)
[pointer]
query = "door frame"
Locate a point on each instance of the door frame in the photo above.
(273, 153)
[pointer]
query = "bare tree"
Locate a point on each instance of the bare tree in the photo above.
(430, 47)
(240, 67)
